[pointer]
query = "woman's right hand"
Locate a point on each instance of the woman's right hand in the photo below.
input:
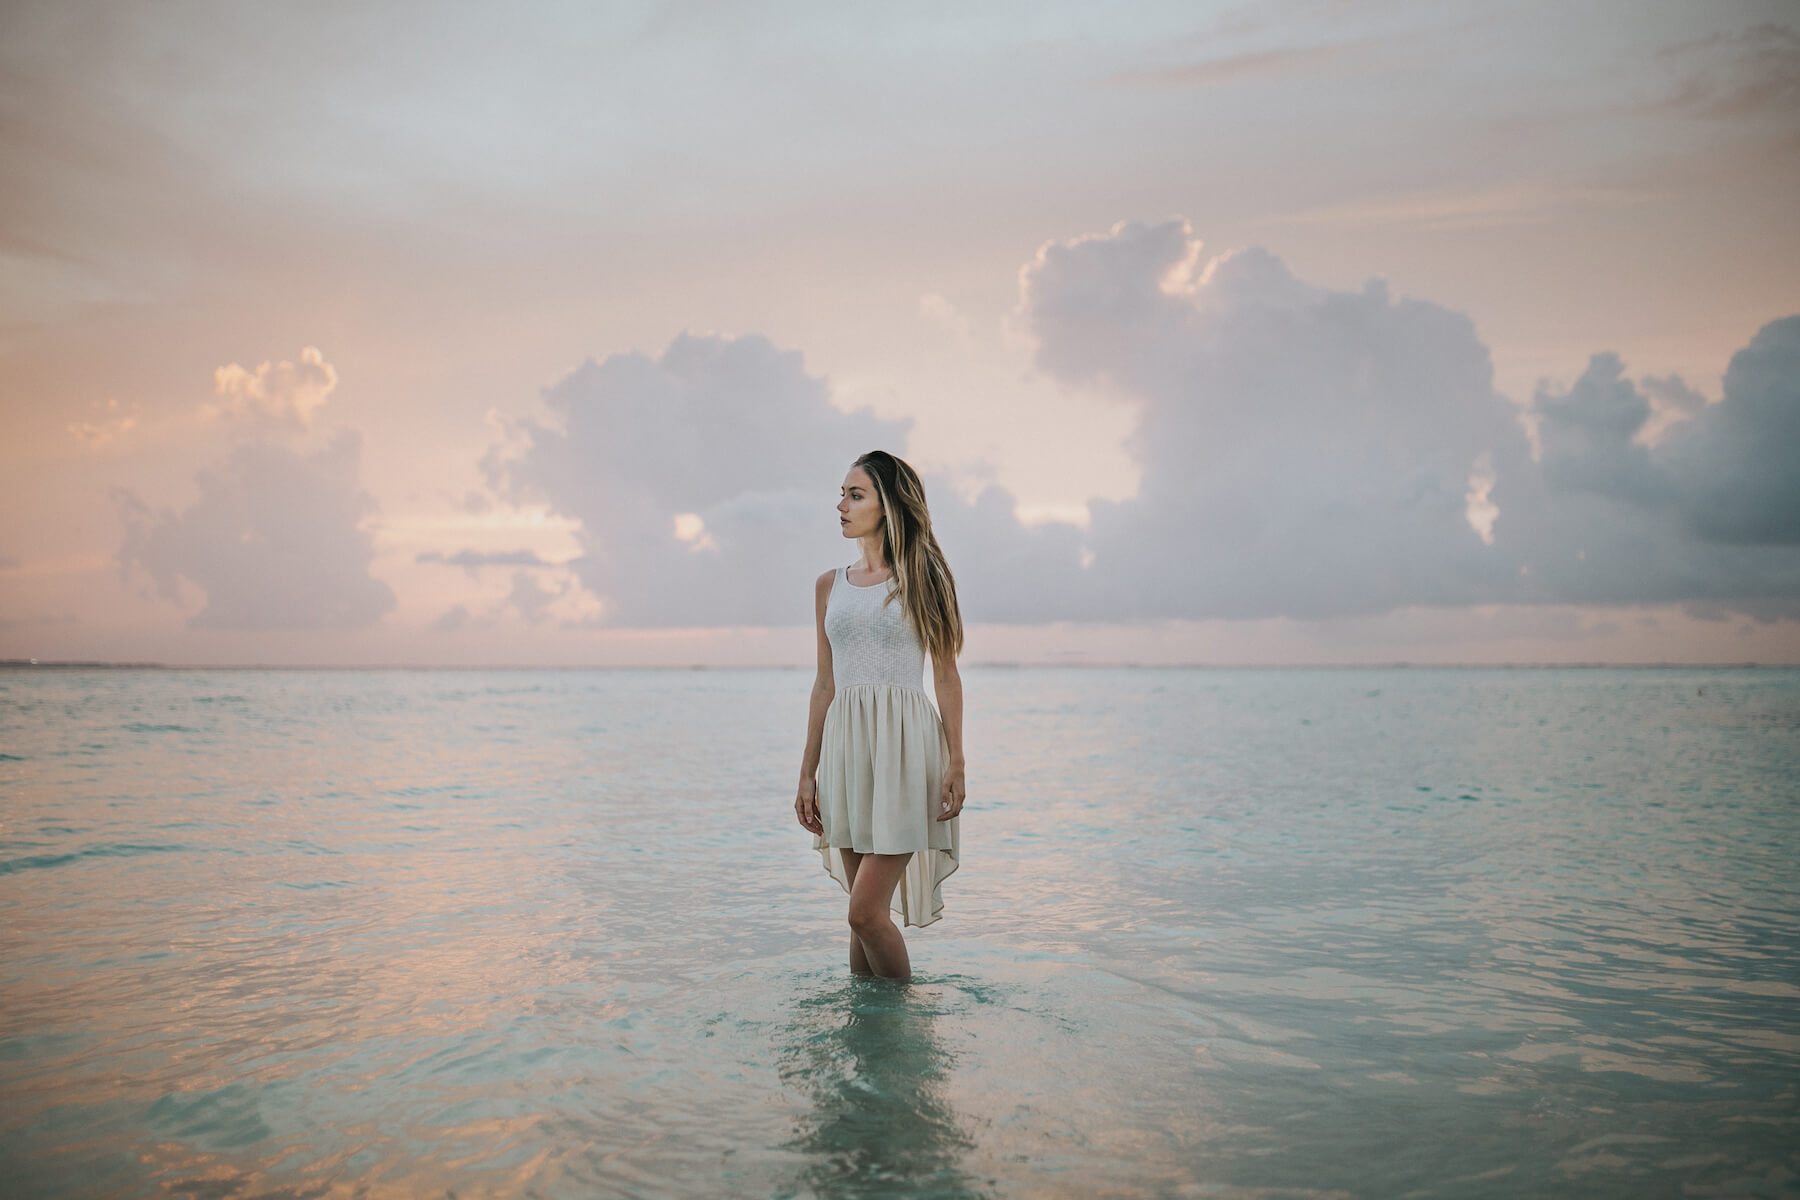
(806, 806)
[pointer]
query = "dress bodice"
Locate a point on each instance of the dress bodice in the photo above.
(872, 642)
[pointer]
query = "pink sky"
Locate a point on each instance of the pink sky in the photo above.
(1277, 332)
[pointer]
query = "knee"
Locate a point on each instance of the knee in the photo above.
(866, 919)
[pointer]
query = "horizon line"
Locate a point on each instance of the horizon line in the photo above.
(26, 664)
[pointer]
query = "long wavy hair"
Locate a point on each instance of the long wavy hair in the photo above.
(922, 580)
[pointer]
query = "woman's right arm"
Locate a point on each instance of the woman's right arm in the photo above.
(806, 800)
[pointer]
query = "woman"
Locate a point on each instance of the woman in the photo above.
(881, 783)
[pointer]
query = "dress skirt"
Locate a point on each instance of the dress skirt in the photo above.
(881, 768)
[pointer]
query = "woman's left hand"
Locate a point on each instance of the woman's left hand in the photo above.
(950, 797)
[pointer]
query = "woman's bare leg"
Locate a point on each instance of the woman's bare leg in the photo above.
(859, 961)
(871, 893)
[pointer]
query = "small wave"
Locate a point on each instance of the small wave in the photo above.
(141, 727)
(115, 850)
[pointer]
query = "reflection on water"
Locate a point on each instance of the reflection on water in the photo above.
(866, 1055)
(1360, 933)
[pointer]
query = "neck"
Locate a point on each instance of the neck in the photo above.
(871, 553)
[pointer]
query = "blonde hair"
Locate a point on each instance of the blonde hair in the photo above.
(922, 580)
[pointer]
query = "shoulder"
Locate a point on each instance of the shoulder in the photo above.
(824, 582)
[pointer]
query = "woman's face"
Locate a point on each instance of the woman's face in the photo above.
(859, 510)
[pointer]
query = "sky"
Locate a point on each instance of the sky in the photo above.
(1288, 332)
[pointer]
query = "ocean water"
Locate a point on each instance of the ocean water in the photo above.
(1225, 933)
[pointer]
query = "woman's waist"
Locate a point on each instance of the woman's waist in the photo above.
(867, 687)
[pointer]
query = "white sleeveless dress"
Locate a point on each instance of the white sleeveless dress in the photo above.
(885, 753)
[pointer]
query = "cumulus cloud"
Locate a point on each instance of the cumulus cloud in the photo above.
(275, 540)
(1708, 516)
(704, 479)
(1307, 452)
(1303, 452)
(1735, 462)
(451, 619)
(276, 397)
(531, 599)
(1671, 402)
(676, 531)
(1588, 436)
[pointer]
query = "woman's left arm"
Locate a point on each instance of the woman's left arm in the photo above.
(950, 707)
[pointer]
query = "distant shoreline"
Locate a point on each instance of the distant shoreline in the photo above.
(25, 664)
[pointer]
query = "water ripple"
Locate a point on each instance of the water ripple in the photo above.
(1368, 933)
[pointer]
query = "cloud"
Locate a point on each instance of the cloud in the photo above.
(1723, 473)
(530, 599)
(9, 624)
(1314, 453)
(1736, 460)
(938, 311)
(1007, 571)
(111, 425)
(275, 541)
(1490, 208)
(1754, 72)
(1588, 436)
(1672, 401)
(276, 397)
(704, 479)
(1280, 63)
(473, 560)
(706, 482)
(450, 620)
(1303, 452)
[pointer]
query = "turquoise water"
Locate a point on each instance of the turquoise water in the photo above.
(1362, 933)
